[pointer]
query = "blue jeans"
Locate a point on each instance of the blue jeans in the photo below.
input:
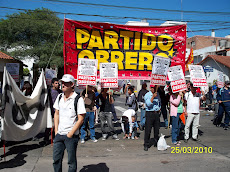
(88, 117)
(142, 122)
(175, 127)
(62, 142)
(227, 115)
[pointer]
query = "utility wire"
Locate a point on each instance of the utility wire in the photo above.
(140, 8)
(120, 17)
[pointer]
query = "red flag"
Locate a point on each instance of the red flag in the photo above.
(190, 59)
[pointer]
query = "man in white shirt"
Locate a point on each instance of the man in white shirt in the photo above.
(67, 123)
(193, 112)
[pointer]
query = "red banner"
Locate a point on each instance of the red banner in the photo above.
(132, 47)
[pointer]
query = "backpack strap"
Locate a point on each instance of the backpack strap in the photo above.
(76, 101)
(59, 98)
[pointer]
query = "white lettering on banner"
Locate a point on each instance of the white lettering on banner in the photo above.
(87, 82)
(86, 77)
(109, 80)
(178, 82)
(178, 87)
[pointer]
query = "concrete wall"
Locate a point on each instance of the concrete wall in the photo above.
(216, 68)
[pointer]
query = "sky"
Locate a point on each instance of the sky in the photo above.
(201, 15)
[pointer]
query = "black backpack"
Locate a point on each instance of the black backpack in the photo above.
(75, 101)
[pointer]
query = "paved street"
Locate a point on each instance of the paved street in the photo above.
(128, 155)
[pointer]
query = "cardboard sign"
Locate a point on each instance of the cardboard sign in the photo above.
(197, 76)
(159, 70)
(87, 72)
(50, 74)
(176, 76)
(109, 75)
(220, 80)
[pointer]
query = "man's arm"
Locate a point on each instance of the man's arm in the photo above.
(77, 125)
(154, 95)
(56, 121)
(111, 100)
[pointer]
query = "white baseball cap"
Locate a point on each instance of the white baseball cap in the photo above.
(129, 83)
(67, 78)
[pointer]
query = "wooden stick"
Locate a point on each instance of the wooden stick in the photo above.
(157, 88)
(109, 91)
(218, 102)
(86, 89)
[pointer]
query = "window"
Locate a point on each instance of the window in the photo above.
(193, 43)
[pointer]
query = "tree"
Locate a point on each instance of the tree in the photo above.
(26, 71)
(33, 34)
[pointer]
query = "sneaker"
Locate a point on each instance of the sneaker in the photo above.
(132, 137)
(145, 148)
(196, 140)
(225, 128)
(104, 136)
(115, 137)
(94, 140)
(82, 141)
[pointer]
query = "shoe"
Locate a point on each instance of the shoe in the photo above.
(196, 140)
(186, 140)
(225, 128)
(94, 140)
(115, 137)
(146, 148)
(104, 136)
(132, 137)
(82, 141)
(176, 144)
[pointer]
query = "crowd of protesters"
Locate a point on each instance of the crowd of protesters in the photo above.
(75, 113)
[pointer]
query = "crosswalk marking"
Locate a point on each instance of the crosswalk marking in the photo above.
(120, 108)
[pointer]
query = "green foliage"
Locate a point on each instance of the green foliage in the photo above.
(26, 71)
(33, 34)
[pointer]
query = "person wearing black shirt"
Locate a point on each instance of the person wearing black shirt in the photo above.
(106, 113)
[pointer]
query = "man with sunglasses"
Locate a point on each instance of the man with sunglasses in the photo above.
(67, 123)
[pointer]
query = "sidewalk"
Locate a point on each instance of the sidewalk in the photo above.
(128, 155)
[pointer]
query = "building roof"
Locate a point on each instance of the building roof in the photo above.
(225, 60)
(5, 56)
(208, 37)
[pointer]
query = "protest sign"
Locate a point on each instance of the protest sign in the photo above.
(87, 72)
(13, 69)
(220, 80)
(177, 79)
(109, 75)
(50, 74)
(159, 70)
(197, 76)
(131, 47)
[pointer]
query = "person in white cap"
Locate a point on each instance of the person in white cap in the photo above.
(67, 121)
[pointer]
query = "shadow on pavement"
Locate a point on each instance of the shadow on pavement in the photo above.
(101, 167)
(19, 151)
